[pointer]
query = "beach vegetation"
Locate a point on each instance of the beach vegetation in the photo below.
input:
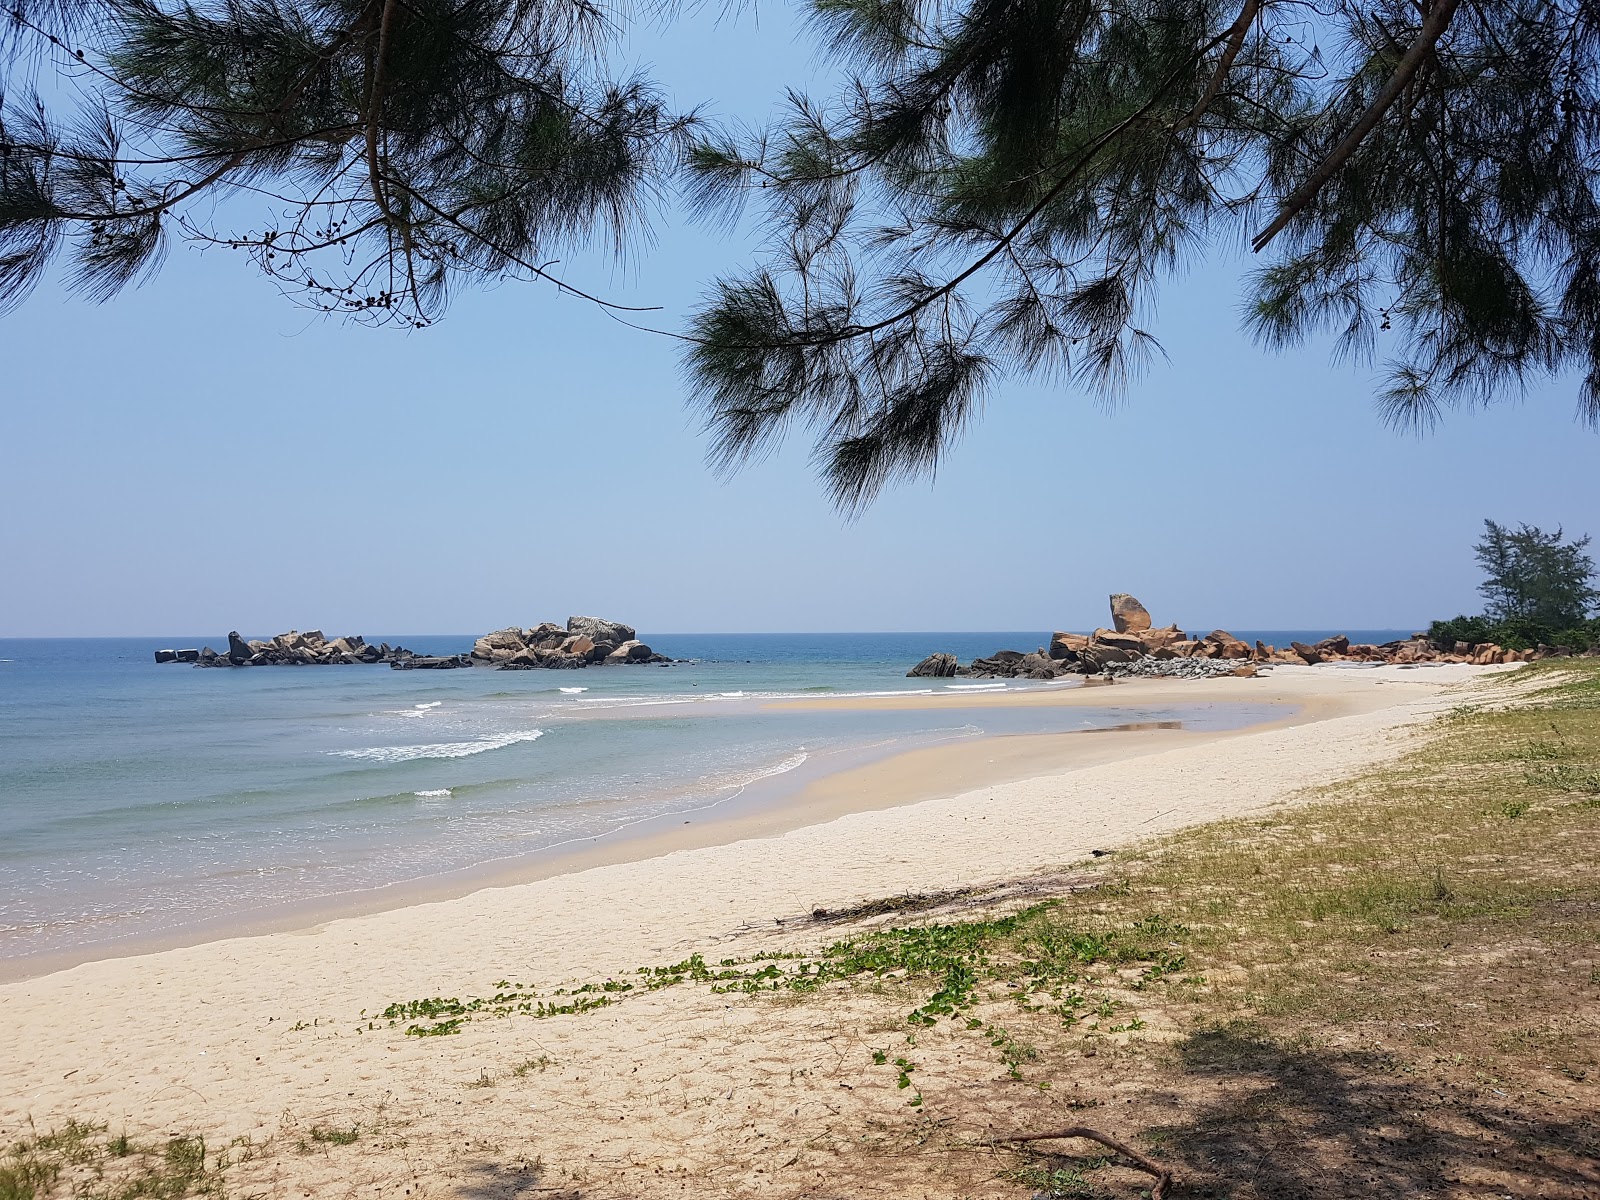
(1539, 591)
(334, 1136)
(80, 1160)
(1534, 576)
(1413, 947)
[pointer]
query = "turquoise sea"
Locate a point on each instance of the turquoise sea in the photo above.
(138, 801)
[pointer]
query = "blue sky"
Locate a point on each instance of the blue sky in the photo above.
(198, 455)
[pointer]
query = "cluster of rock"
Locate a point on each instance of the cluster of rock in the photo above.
(582, 641)
(1133, 647)
(295, 649)
(1176, 668)
(1415, 649)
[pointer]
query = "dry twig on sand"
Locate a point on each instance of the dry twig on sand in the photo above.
(1163, 1176)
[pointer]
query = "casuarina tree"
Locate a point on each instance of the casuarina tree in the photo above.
(366, 154)
(1535, 577)
(999, 188)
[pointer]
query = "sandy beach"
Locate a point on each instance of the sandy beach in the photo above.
(266, 1037)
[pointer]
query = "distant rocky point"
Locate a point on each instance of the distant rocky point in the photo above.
(582, 642)
(1132, 647)
(295, 649)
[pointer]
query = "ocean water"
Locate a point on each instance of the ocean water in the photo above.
(137, 801)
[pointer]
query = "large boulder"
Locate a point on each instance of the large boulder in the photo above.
(239, 651)
(579, 644)
(1219, 643)
(1098, 655)
(1067, 646)
(1128, 615)
(1131, 642)
(1309, 654)
(935, 666)
(1154, 639)
(1037, 666)
(501, 644)
(598, 629)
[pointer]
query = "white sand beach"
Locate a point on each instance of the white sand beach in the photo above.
(266, 1037)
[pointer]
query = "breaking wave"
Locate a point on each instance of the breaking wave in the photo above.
(400, 754)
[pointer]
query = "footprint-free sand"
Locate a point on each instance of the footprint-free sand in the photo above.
(266, 1037)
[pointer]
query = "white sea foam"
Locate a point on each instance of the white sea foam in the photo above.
(431, 704)
(976, 687)
(400, 754)
(435, 794)
(574, 691)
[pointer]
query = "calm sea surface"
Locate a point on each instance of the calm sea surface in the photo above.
(138, 800)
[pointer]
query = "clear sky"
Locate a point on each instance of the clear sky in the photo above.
(199, 455)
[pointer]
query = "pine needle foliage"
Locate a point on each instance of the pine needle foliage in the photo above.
(368, 155)
(999, 188)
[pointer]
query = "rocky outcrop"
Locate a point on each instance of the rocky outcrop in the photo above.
(1127, 614)
(1133, 648)
(598, 629)
(582, 641)
(935, 666)
(295, 649)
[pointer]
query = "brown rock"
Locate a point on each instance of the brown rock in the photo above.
(1133, 643)
(1245, 671)
(1219, 643)
(578, 644)
(1165, 636)
(1067, 645)
(1128, 615)
(1310, 655)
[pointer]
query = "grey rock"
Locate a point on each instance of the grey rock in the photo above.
(935, 666)
(598, 629)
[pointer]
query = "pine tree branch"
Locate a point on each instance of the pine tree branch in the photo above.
(1433, 28)
(375, 108)
(1236, 35)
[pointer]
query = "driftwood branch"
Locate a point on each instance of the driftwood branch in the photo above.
(1162, 1174)
(1433, 27)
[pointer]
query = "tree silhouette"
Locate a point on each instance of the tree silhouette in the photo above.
(381, 150)
(1000, 187)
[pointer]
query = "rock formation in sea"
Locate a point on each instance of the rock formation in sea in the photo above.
(309, 649)
(582, 641)
(1133, 647)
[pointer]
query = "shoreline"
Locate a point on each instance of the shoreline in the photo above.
(831, 784)
(249, 1036)
(873, 784)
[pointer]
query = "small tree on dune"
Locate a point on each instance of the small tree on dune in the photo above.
(1536, 577)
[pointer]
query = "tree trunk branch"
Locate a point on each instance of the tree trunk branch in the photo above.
(1433, 27)
(1236, 35)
